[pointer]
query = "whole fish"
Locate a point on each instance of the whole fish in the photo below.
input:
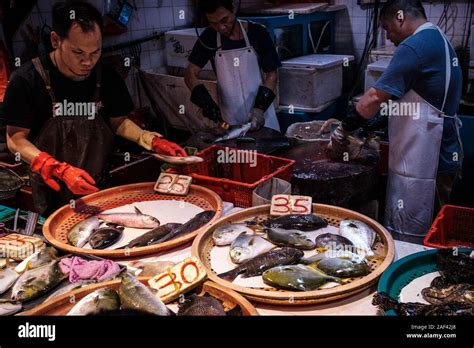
(104, 237)
(234, 132)
(134, 295)
(192, 225)
(459, 293)
(385, 303)
(260, 263)
(456, 267)
(296, 277)
(226, 234)
(246, 247)
(333, 242)
(104, 299)
(39, 258)
(68, 288)
(38, 281)
(308, 222)
(132, 220)
(150, 268)
(360, 234)
(330, 254)
(80, 233)
(344, 268)
(291, 238)
(151, 236)
(9, 307)
(8, 277)
(195, 305)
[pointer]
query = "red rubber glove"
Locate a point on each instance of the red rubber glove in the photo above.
(78, 181)
(165, 147)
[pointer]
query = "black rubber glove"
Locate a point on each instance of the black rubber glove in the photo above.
(264, 99)
(353, 120)
(200, 96)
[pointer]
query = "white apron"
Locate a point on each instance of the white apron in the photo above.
(238, 79)
(413, 162)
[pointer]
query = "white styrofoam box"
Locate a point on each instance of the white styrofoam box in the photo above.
(374, 71)
(179, 45)
(310, 81)
(384, 52)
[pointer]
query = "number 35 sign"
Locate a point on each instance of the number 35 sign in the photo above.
(287, 204)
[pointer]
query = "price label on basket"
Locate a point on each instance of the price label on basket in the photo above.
(173, 184)
(178, 279)
(289, 204)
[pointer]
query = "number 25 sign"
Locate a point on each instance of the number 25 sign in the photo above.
(173, 184)
(287, 204)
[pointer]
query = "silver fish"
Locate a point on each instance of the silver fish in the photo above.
(226, 234)
(132, 220)
(134, 295)
(246, 247)
(330, 254)
(80, 233)
(360, 234)
(104, 299)
(8, 277)
(9, 307)
(235, 132)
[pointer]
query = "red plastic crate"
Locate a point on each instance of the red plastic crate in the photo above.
(235, 182)
(453, 227)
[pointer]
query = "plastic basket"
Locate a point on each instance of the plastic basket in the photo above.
(453, 227)
(235, 182)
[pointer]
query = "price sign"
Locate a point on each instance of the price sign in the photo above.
(288, 204)
(178, 279)
(173, 184)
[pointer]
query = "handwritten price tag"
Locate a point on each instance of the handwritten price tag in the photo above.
(178, 279)
(287, 204)
(173, 184)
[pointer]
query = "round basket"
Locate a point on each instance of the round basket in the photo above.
(385, 250)
(58, 225)
(309, 132)
(404, 271)
(10, 183)
(62, 304)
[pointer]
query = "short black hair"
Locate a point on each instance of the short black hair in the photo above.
(413, 8)
(65, 14)
(211, 6)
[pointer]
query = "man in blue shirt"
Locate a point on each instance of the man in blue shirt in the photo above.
(420, 93)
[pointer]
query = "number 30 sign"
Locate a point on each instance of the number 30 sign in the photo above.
(287, 204)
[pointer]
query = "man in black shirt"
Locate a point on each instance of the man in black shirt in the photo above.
(238, 51)
(63, 110)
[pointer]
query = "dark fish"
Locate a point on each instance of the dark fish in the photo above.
(440, 282)
(344, 268)
(195, 305)
(259, 264)
(385, 302)
(308, 222)
(459, 293)
(333, 242)
(192, 225)
(152, 236)
(455, 267)
(104, 237)
(291, 238)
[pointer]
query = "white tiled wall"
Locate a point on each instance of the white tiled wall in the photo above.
(154, 16)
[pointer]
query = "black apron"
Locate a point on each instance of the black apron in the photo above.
(77, 140)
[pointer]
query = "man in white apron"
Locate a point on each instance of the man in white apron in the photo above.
(425, 147)
(238, 51)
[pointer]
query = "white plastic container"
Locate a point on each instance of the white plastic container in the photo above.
(311, 81)
(374, 71)
(179, 45)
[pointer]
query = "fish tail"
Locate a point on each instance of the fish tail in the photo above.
(230, 275)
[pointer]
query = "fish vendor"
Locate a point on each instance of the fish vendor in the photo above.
(424, 78)
(239, 51)
(63, 110)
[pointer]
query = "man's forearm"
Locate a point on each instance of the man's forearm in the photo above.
(271, 80)
(17, 142)
(371, 102)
